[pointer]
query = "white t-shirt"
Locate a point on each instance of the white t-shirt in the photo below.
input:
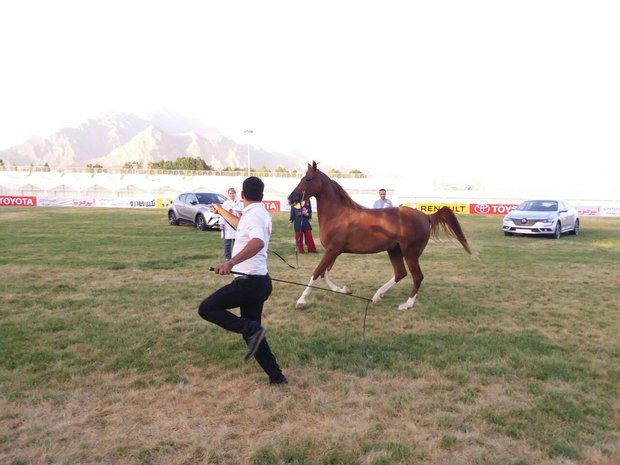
(255, 222)
(233, 207)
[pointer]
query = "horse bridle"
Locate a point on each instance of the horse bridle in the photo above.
(308, 180)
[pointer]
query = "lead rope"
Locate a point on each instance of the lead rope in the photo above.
(282, 258)
(368, 301)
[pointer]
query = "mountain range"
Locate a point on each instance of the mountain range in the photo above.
(114, 139)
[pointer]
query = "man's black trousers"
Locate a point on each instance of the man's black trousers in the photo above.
(248, 293)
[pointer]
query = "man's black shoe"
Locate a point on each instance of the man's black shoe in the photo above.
(279, 380)
(275, 381)
(254, 341)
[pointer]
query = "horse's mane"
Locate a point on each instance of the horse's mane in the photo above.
(344, 197)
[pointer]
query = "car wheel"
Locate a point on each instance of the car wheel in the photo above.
(506, 233)
(172, 219)
(575, 230)
(558, 230)
(201, 224)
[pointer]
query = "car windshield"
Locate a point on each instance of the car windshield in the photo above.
(539, 205)
(208, 199)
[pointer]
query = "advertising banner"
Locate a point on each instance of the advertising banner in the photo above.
(272, 205)
(17, 201)
(61, 202)
(430, 208)
(610, 211)
(491, 208)
(479, 208)
(588, 210)
(126, 203)
(164, 203)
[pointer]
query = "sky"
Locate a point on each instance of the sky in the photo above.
(487, 91)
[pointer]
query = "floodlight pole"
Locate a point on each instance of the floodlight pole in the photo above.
(249, 131)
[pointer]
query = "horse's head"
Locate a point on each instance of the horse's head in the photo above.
(310, 185)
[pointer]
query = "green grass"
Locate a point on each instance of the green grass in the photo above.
(511, 356)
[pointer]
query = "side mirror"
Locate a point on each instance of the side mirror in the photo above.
(194, 202)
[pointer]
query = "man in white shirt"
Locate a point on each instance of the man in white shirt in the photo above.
(382, 202)
(252, 284)
(233, 206)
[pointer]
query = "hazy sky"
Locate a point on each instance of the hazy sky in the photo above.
(466, 89)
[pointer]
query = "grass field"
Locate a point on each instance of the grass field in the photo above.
(508, 357)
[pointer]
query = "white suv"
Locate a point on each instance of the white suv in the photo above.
(195, 208)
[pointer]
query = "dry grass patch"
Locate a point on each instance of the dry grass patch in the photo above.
(109, 420)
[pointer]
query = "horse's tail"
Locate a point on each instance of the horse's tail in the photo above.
(445, 219)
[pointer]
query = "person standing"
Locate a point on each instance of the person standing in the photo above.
(252, 284)
(233, 206)
(382, 202)
(301, 214)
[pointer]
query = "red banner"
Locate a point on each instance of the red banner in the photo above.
(491, 208)
(272, 205)
(17, 201)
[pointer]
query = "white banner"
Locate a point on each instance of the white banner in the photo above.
(588, 210)
(126, 203)
(610, 211)
(61, 202)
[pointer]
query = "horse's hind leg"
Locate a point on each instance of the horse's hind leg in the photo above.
(396, 257)
(414, 266)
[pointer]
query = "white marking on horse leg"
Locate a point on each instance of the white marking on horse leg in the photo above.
(382, 290)
(407, 305)
(301, 302)
(334, 287)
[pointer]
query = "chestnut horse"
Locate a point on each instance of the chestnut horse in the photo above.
(347, 227)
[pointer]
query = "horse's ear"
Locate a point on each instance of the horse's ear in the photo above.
(313, 165)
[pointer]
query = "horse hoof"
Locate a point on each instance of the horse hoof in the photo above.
(346, 290)
(299, 306)
(376, 301)
(409, 304)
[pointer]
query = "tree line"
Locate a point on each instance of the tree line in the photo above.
(198, 164)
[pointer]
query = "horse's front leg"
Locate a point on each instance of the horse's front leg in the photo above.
(334, 287)
(382, 290)
(326, 262)
(301, 302)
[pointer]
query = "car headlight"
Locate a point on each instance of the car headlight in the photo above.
(547, 220)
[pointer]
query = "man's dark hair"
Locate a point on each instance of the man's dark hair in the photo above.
(253, 189)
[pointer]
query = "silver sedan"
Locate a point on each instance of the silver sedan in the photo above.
(542, 217)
